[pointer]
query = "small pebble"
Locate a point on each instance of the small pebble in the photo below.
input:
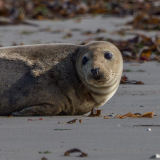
(148, 129)
(111, 115)
(155, 156)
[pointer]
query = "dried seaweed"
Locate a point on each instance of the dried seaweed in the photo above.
(68, 35)
(152, 125)
(67, 153)
(46, 152)
(105, 117)
(40, 9)
(145, 115)
(95, 112)
(71, 121)
(61, 129)
(40, 119)
(145, 21)
(125, 80)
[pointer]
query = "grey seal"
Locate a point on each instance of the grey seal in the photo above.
(58, 79)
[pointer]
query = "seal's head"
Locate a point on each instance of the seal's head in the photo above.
(99, 65)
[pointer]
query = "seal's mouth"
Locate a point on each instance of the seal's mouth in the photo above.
(98, 78)
(95, 79)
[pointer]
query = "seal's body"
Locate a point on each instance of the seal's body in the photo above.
(58, 79)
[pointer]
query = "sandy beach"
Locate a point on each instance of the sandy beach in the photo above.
(28, 138)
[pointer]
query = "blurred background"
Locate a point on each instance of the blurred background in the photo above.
(132, 25)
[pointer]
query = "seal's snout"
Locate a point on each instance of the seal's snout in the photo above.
(95, 73)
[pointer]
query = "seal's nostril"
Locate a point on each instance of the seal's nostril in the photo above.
(92, 70)
(95, 71)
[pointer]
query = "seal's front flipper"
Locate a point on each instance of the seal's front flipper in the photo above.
(39, 110)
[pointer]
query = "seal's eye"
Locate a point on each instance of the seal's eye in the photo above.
(108, 55)
(84, 60)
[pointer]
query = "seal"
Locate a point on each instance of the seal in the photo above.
(58, 79)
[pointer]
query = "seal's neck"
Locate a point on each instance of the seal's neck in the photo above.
(102, 94)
